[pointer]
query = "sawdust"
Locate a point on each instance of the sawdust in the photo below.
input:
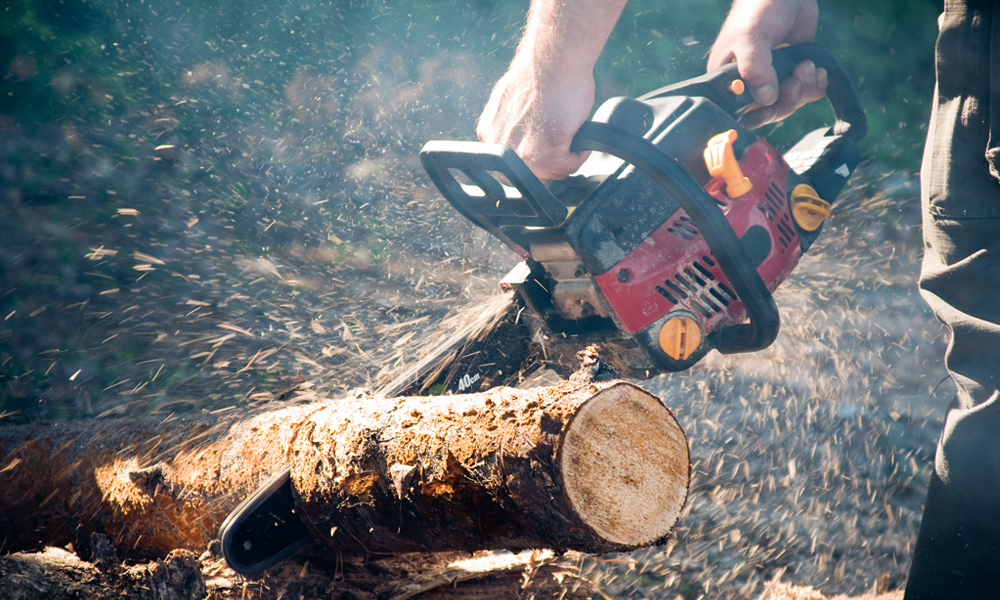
(776, 590)
(811, 458)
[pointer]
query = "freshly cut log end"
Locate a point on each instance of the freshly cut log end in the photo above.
(625, 466)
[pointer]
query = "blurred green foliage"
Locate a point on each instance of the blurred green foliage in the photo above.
(887, 46)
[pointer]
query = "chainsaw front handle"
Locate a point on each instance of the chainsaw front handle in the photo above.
(762, 312)
(499, 191)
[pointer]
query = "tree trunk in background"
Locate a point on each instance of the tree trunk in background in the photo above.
(584, 465)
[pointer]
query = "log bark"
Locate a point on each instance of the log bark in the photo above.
(150, 485)
(584, 465)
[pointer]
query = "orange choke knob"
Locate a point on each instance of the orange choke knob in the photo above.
(721, 161)
(680, 337)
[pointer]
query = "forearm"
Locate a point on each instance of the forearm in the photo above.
(548, 91)
(566, 36)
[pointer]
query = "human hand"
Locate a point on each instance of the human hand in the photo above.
(751, 30)
(537, 112)
(546, 95)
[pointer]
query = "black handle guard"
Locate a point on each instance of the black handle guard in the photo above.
(841, 93)
(487, 202)
(761, 310)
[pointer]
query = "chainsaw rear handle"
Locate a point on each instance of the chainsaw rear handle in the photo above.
(762, 312)
(843, 96)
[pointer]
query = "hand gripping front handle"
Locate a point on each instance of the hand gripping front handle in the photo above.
(761, 310)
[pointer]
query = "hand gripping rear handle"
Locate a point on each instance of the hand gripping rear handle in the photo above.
(762, 312)
(843, 96)
(502, 194)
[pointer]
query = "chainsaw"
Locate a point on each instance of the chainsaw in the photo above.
(666, 245)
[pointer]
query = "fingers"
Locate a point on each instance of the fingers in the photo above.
(807, 84)
(548, 161)
(537, 113)
(813, 79)
(751, 30)
(545, 151)
(754, 62)
(558, 169)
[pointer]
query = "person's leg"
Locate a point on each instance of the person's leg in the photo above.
(957, 554)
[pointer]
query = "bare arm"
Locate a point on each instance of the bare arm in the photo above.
(548, 90)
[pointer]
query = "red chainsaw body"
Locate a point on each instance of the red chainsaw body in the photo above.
(674, 269)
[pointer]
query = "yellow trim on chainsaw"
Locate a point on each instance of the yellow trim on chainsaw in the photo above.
(680, 337)
(808, 209)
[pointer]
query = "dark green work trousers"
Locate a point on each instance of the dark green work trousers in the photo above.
(958, 548)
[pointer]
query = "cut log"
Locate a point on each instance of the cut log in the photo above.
(584, 465)
(594, 468)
